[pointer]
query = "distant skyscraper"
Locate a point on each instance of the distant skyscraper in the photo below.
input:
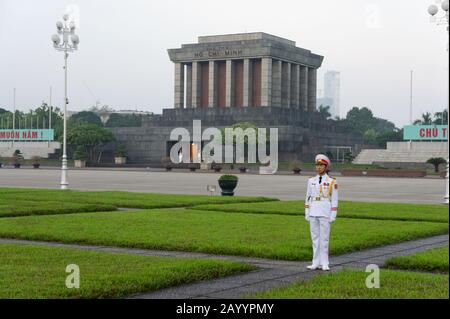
(332, 88)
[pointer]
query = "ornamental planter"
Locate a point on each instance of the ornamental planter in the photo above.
(297, 171)
(17, 165)
(79, 163)
(228, 184)
(36, 165)
(120, 160)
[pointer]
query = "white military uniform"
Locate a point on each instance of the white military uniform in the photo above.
(320, 210)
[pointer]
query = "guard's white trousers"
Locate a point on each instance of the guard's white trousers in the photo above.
(320, 237)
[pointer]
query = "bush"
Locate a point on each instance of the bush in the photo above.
(436, 161)
(36, 159)
(121, 151)
(80, 153)
(228, 178)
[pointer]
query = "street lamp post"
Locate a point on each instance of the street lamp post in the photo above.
(66, 31)
(443, 19)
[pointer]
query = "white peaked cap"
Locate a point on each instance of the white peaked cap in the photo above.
(323, 159)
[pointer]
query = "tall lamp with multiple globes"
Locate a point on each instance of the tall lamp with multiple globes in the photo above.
(66, 41)
(440, 17)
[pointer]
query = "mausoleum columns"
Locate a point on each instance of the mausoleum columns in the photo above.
(312, 94)
(229, 84)
(179, 85)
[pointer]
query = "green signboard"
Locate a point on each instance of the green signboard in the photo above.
(425, 132)
(26, 135)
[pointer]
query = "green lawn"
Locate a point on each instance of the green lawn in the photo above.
(11, 208)
(270, 236)
(350, 284)
(434, 260)
(382, 211)
(39, 272)
(16, 201)
(123, 199)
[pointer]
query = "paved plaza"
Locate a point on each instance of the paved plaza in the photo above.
(285, 187)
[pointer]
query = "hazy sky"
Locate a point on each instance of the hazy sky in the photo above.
(122, 58)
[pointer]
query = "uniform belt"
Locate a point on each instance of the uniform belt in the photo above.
(319, 198)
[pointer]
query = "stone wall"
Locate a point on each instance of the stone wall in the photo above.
(301, 134)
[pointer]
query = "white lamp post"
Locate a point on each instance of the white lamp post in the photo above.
(442, 19)
(66, 31)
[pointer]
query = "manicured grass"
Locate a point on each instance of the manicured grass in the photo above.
(22, 208)
(349, 284)
(434, 260)
(39, 272)
(382, 211)
(270, 236)
(119, 199)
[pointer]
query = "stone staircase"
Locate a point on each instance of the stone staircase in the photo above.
(29, 149)
(401, 152)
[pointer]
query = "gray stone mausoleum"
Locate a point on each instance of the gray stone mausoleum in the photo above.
(252, 77)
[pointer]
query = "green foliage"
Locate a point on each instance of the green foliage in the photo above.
(350, 284)
(120, 151)
(361, 120)
(124, 120)
(434, 260)
(89, 136)
(255, 235)
(370, 137)
(88, 117)
(436, 161)
(441, 118)
(80, 153)
(348, 157)
(32, 272)
(325, 110)
(425, 120)
(359, 210)
(228, 178)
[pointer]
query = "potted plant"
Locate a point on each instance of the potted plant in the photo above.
(296, 166)
(216, 167)
(228, 183)
(36, 161)
(17, 159)
(80, 157)
(120, 155)
(167, 163)
(243, 169)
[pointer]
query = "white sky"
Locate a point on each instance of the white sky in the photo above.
(122, 58)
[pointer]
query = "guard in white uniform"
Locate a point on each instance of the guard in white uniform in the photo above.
(320, 210)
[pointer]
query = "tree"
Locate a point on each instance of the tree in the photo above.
(125, 120)
(370, 137)
(359, 119)
(425, 120)
(3, 111)
(325, 110)
(393, 136)
(436, 161)
(88, 117)
(441, 118)
(89, 136)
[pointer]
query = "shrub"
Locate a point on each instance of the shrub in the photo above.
(80, 153)
(436, 161)
(228, 178)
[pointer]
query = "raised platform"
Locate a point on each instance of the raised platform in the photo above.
(29, 149)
